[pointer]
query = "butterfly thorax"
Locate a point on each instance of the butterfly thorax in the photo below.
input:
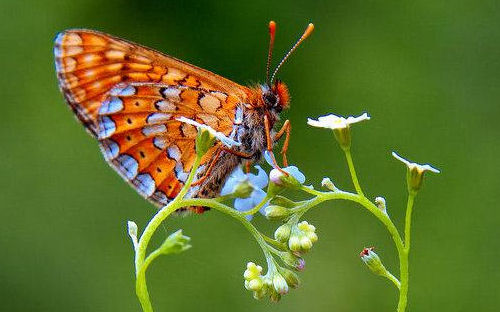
(250, 132)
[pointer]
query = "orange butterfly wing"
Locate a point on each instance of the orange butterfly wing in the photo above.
(128, 97)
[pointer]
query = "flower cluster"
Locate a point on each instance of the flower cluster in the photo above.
(274, 284)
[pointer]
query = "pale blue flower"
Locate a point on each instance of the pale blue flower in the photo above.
(256, 181)
(275, 174)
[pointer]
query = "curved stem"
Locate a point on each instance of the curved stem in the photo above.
(141, 265)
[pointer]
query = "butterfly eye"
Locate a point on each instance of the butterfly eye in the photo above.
(270, 99)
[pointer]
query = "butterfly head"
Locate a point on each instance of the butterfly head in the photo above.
(276, 97)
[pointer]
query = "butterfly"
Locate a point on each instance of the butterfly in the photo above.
(130, 97)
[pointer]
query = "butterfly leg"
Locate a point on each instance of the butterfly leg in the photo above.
(214, 161)
(270, 142)
(285, 129)
(248, 163)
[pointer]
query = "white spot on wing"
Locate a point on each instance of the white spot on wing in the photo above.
(154, 130)
(160, 142)
(157, 118)
(127, 166)
(180, 173)
(172, 92)
(209, 103)
(110, 149)
(110, 106)
(123, 91)
(145, 184)
(161, 197)
(106, 127)
(174, 152)
(165, 106)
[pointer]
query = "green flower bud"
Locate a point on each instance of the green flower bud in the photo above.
(291, 278)
(305, 243)
(282, 233)
(415, 173)
(327, 183)
(253, 271)
(283, 201)
(274, 212)
(132, 232)
(175, 243)
(279, 284)
(294, 243)
(255, 284)
(292, 260)
(373, 262)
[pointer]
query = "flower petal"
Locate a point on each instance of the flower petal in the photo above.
(243, 204)
(295, 172)
(236, 177)
(259, 180)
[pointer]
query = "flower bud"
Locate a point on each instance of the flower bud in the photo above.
(282, 233)
(274, 212)
(305, 243)
(132, 232)
(293, 179)
(327, 183)
(415, 173)
(175, 243)
(294, 243)
(253, 271)
(292, 260)
(283, 201)
(279, 284)
(380, 203)
(312, 236)
(291, 278)
(373, 262)
(255, 284)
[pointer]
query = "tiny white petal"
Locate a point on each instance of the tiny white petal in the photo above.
(410, 165)
(219, 135)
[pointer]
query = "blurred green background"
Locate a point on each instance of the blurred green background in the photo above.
(426, 71)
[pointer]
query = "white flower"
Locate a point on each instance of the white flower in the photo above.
(415, 173)
(412, 165)
(219, 135)
(336, 122)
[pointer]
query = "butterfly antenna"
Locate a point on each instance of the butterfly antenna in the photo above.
(272, 33)
(306, 34)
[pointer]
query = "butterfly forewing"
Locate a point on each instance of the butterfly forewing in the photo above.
(129, 97)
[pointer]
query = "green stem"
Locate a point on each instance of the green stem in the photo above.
(256, 209)
(404, 257)
(354, 177)
(393, 279)
(141, 265)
